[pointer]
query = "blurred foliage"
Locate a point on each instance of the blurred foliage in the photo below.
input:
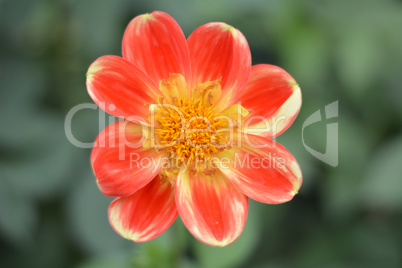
(53, 215)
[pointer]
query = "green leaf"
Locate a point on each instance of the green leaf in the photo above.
(43, 158)
(360, 60)
(382, 185)
(18, 218)
(340, 186)
(87, 210)
(120, 260)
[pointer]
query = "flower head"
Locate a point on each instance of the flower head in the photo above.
(194, 139)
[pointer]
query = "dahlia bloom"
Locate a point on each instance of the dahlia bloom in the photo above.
(195, 135)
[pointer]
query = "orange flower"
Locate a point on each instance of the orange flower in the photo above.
(195, 136)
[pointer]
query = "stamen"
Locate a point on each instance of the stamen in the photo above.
(187, 128)
(199, 138)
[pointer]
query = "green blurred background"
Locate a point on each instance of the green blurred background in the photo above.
(51, 211)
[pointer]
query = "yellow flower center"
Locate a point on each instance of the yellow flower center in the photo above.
(186, 127)
(188, 131)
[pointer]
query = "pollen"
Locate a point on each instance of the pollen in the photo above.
(188, 128)
(190, 133)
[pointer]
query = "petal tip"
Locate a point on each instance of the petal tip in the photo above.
(147, 16)
(230, 28)
(92, 70)
(294, 85)
(295, 191)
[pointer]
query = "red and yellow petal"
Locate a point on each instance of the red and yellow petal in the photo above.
(211, 208)
(218, 50)
(274, 98)
(146, 214)
(156, 43)
(120, 88)
(120, 163)
(262, 169)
